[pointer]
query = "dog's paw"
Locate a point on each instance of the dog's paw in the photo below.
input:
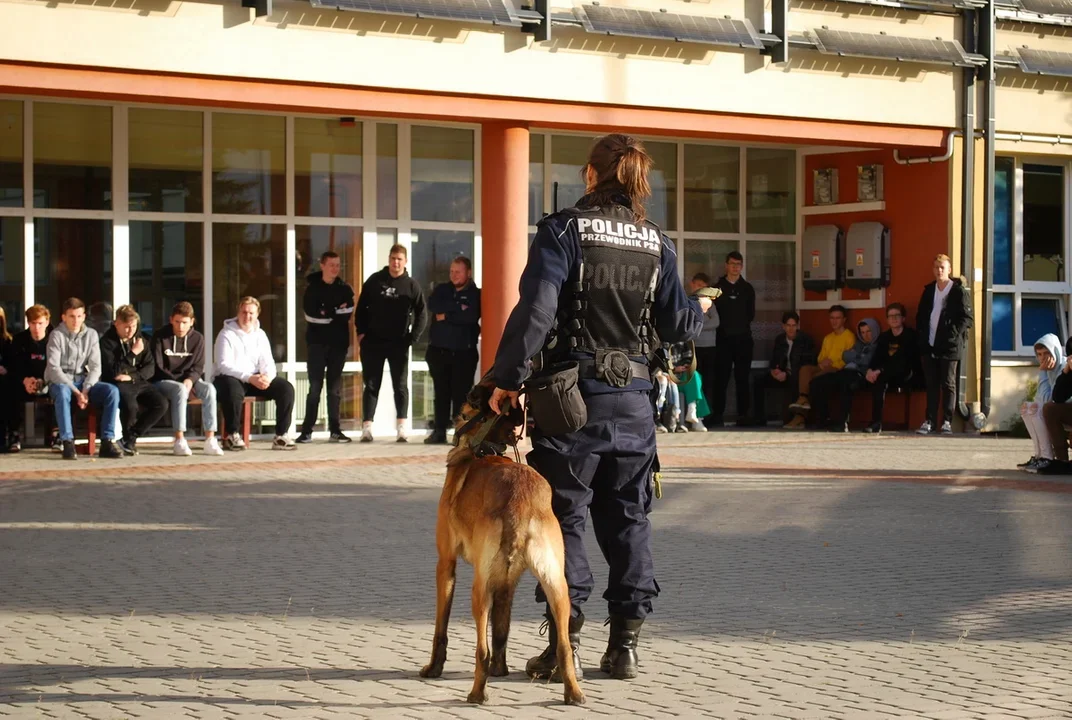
(574, 698)
(432, 670)
(478, 697)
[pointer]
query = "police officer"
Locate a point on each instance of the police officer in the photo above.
(605, 279)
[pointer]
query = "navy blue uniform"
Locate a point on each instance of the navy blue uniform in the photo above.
(452, 347)
(607, 464)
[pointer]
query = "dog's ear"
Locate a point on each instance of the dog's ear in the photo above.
(479, 396)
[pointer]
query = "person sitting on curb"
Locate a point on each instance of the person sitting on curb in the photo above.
(830, 360)
(179, 356)
(1052, 362)
(847, 380)
(127, 363)
(244, 366)
(1057, 414)
(73, 371)
(793, 349)
(893, 364)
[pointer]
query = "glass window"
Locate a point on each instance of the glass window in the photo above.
(709, 257)
(166, 267)
(1039, 316)
(251, 260)
(73, 258)
(72, 156)
(349, 409)
(1044, 238)
(771, 268)
(10, 154)
(569, 155)
(441, 174)
(1003, 208)
(327, 167)
(387, 171)
(712, 177)
(536, 210)
(770, 200)
(11, 271)
(429, 264)
(312, 242)
(166, 159)
(1002, 317)
(662, 206)
(422, 400)
(248, 164)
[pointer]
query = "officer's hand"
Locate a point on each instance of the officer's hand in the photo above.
(705, 303)
(497, 398)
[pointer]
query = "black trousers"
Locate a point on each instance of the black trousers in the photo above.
(141, 406)
(605, 467)
(231, 392)
(878, 392)
(707, 366)
(785, 391)
(733, 353)
(941, 377)
(453, 373)
(373, 355)
(824, 388)
(332, 357)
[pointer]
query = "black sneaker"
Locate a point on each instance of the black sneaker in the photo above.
(68, 450)
(15, 445)
(839, 428)
(874, 429)
(304, 438)
(128, 446)
(112, 450)
(1030, 463)
(436, 437)
(339, 437)
(55, 443)
(1053, 467)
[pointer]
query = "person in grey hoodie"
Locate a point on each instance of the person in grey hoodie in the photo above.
(706, 359)
(73, 370)
(847, 380)
(1052, 364)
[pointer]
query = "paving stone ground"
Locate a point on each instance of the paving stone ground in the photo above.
(803, 576)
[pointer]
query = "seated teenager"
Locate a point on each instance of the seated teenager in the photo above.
(73, 372)
(26, 371)
(830, 360)
(7, 385)
(893, 364)
(127, 363)
(793, 349)
(179, 357)
(244, 366)
(1051, 361)
(1057, 414)
(845, 381)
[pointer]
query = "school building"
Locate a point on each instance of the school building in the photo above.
(159, 150)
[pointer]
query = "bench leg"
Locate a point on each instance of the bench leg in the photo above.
(247, 421)
(91, 445)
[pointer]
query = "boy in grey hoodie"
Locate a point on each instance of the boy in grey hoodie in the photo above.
(73, 370)
(847, 380)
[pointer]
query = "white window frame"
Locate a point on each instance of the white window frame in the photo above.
(1021, 289)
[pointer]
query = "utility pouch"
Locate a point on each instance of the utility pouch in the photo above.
(554, 400)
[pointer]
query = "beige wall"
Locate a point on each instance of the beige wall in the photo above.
(1008, 386)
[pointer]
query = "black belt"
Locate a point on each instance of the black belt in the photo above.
(587, 369)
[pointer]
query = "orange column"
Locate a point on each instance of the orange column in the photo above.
(504, 227)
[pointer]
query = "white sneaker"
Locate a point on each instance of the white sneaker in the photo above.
(283, 442)
(234, 441)
(402, 437)
(181, 448)
(925, 428)
(947, 428)
(212, 446)
(366, 434)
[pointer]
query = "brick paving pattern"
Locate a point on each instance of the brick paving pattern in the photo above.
(931, 581)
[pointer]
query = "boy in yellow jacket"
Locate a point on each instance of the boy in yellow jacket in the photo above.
(830, 360)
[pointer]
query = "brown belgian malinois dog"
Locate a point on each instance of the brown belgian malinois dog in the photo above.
(496, 514)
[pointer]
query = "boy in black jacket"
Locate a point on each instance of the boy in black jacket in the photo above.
(25, 362)
(179, 357)
(127, 363)
(943, 319)
(793, 349)
(894, 363)
(733, 351)
(390, 317)
(328, 305)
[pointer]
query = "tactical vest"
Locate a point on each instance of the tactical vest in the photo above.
(609, 306)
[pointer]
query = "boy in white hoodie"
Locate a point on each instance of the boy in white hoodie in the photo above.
(244, 366)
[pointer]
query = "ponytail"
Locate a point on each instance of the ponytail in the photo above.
(621, 165)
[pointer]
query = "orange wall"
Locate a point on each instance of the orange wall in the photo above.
(917, 213)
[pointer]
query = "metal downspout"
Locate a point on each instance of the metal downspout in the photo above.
(987, 47)
(967, 195)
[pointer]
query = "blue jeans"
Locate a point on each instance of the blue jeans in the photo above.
(103, 395)
(178, 396)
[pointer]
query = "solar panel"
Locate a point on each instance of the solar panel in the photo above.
(1048, 7)
(668, 26)
(1045, 62)
(494, 12)
(891, 47)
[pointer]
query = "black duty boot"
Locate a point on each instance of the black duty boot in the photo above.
(620, 660)
(545, 665)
